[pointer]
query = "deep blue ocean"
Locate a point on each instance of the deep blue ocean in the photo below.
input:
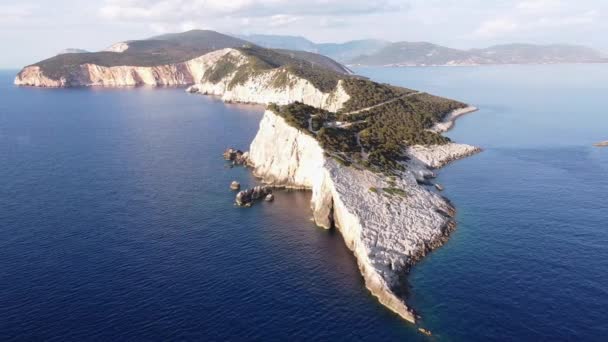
(117, 223)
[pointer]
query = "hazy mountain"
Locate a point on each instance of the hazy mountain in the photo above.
(383, 53)
(420, 53)
(341, 52)
(405, 54)
(281, 42)
(316, 60)
(528, 53)
(344, 52)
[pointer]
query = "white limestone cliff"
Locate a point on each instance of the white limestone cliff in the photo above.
(387, 232)
(259, 88)
(177, 74)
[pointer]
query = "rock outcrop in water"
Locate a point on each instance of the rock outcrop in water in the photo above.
(237, 157)
(246, 198)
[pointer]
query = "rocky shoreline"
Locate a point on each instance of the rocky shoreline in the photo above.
(449, 120)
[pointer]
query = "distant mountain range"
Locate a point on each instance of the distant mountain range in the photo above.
(342, 52)
(384, 53)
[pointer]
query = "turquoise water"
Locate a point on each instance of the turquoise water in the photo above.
(529, 258)
(116, 221)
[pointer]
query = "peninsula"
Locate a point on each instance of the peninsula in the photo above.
(366, 150)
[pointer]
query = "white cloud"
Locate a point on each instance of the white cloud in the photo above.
(15, 13)
(495, 27)
(169, 10)
(539, 5)
(530, 16)
(243, 15)
(282, 20)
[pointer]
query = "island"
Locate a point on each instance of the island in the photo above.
(601, 144)
(366, 150)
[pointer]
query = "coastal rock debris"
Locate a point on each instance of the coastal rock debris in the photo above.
(235, 185)
(246, 197)
(237, 157)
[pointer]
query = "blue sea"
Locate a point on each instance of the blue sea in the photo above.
(117, 222)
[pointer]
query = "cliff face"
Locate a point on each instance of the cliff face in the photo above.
(260, 88)
(387, 232)
(185, 73)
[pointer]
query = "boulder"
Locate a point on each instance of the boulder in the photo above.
(235, 185)
(247, 197)
(237, 157)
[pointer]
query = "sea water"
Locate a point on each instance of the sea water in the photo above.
(117, 221)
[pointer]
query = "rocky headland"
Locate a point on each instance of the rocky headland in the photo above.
(364, 149)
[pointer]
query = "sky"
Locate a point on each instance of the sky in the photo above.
(31, 30)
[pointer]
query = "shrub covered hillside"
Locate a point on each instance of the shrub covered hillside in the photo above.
(376, 138)
(261, 60)
(365, 93)
(181, 47)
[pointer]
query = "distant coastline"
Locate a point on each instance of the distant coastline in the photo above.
(467, 65)
(601, 144)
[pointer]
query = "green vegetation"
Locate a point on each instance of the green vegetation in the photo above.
(341, 161)
(365, 93)
(280, 80)
(297, 114)
(338, 139)
(220, 70)
(383, 131)
(373, 189)
(262, 60)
